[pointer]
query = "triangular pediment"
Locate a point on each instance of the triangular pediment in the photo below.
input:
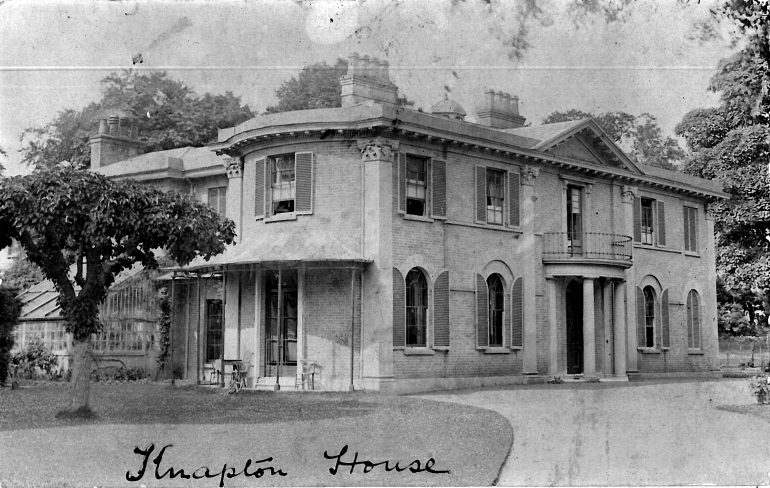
(586, 141)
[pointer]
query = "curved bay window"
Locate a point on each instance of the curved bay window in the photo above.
(649, 317)
(416, 309)
(496, 309)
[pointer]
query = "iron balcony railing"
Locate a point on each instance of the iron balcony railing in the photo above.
(586, 245)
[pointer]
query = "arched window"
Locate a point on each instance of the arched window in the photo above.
(649, 317)
(496, 309)
(693, 320)
(416, 309)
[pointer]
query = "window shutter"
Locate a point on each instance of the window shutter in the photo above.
(303, 180)
(686, 212)
(637, 219)
(402, 182)
(664, 320)
(399, 309)
(514, 188)
(507, 320)
(481, 194)
(690, 339)
(658, 323)
(640, 337)
(517, 314)
(693, 230)
(696, 321)
(441, 310)
(661, 223)
(259, 189)
(439, 188)
(482, 312)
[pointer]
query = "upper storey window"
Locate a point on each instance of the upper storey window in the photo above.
(416, 185)
(649, 221)
(495, 196)
(283, 184)
(218, 200)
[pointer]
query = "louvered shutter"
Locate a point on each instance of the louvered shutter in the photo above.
(303, 182)
(441, 310)
(661, 223)
(514, 192)
(438, 167)
(482, 312)
(659, 323)
(689, 321)
(693, 230)
(665, 320)
(399, 309)
(686, 216)
(259, 189)
(637, 219)
(517, 314)
(507, 320)
(640, 335)
(402, 182)
(696, 321)
(481, 194)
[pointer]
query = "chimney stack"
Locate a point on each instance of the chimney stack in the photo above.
(500, 111)
(115, 140)
(367, 79)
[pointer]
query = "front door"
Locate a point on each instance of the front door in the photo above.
(574, 309)
(281, 323)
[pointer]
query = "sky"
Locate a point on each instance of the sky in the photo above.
(55, 53)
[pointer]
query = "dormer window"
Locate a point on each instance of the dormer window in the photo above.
(282, 187)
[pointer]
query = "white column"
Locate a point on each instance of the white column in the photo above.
(553, 353)
(529, 261)
(620, 329)
(589, 348)
(628, 193)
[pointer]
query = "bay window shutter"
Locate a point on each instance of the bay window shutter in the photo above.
(664, 319)
(259, 189)
(658, 324)
(637, 219)
(661, 223)
(517, 314)
(303, 182)
(514, 192)
(640, 333)
(696, 321)
(402, 182)
(686, 220)
(399, 309)
(438, 182)
(481, 194)
(441, 310)
(482, 312)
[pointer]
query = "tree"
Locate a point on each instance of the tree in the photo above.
(640, 136)
(731, 143)
(316, 86)
(10, 309)
(169, 113)
(22, 273)
(82, 229)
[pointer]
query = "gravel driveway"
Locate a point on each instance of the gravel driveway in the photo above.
(648, 433)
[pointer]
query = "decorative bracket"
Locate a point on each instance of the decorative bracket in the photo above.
(234, 168)
(378, 149)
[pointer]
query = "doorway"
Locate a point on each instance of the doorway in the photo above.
(574, 311)
(281, 323)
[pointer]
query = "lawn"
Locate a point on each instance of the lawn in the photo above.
(206, 429)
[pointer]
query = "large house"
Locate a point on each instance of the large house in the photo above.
(397, 250)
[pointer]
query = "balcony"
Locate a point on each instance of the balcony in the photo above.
(587, 247)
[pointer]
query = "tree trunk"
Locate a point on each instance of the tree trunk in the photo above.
(80, 384)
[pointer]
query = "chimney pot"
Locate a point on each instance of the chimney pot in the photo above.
(507, 103)
(365, 66)
(135, 130)
(113, 122)
(353, 61)
(103, 128)
(384, 69)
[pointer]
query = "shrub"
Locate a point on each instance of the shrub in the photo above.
(760, 386)
(10, 309)
(34, 360)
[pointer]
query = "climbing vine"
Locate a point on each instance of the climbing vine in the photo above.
(165, 330)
